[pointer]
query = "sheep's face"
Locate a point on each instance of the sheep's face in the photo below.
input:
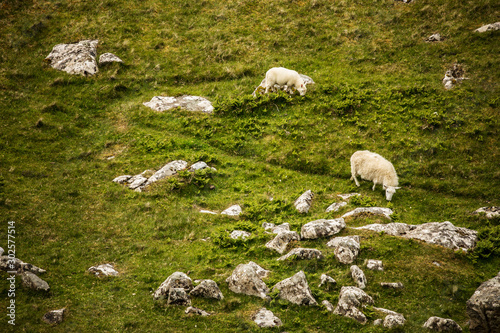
(302, 89)
(389, 192)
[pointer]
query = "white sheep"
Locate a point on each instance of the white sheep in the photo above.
(372, 166)
(285, 77)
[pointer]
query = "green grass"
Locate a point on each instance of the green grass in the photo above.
(378, 87)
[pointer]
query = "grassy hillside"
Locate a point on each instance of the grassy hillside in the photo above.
(378, 87)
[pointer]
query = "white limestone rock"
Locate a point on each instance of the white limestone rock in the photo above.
(358, 276)
(198, 166)
(54, 317)
(236, 234)
(188, 103)
(261, 272)
(393, 321)
(385, 212)
(302, 253)
(350, 300)
(276, 229)
(392, 285)
(176, 280)
(346, 248)
(326, 280)
(76, 58)
(490, 212)
(489, 27)
(483, 308)
(329, 306)
(196, 311)
(334, 207)
(33, 282)
(137, 181)
(203, 211)
(281, 241)
(122, 179)
(374, 265)
(207, 289)
(167, 170)
(103, 270)
(265, 318)
(234, 210)
(246, 280)
(322, 228)
(434, 38)
(107, 58)
(178, 296)
(393, 229)
(303, 203)
(442, 325)
(296, 290)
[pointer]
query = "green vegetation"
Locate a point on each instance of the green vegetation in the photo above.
(378, 87)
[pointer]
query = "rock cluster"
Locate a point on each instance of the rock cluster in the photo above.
(186, 102)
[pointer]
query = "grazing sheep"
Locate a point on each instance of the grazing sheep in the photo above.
(285, 77)
(372, 166)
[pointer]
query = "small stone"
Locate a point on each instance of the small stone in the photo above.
(490, 212)
(240, 234)
(326, 280)
(54, 317)
(442, 325)
(302, 253)
(198, 166)
(207, 289)
(187, 103)
(350, 300)
(276, 229)
(489, 27)
(374, 265)
(392, 285)
(386, 212)
(322, 228)
(358, 276)
(193, 310)
(178, 296)
(434, 38)
(265, 318)
(296, 290)
(329, 306)
(103, 270)
(122, 179)
(281, 241)
(176, 280)
(234, 210)
(335, 206)
(33, 282)
(303, 203)
(207, 212)
(392, 321)
(107, 58)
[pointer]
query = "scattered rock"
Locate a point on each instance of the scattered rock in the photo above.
(193, 310)
(392, 285)
(434, 38)
(122, 179)
(386, 212)
(240, 234)
(392, 321)
(103, 270)
(326, 280)
(176, 280)
(76, 58)
(483, 308)
(198, 166)
(329, 306)
(453, 76)
(296, 290)
(167, 170)
(137, 181)
(347, 196)
(444, 233)
(303, 203)
(265, 318)
(54, 317)
(358, 276)
(346, 248)
(302, 253)
(261, 89)
(188, 103)
(335, 206)
(14, 264)
(234, 210)
(442, 325)
(281, 241)
(374, 265)
(207, 212)
(276, 229)
(350, 300)
(207, 289)
(31, 281)
(490, 212)
(107, 58)
(489, 27)
(246, 280)
(322, 228)
(178, 296)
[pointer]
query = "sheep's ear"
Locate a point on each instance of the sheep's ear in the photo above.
(385, 187)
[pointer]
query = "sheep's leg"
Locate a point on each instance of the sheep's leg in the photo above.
(374, 184)
(353, 173)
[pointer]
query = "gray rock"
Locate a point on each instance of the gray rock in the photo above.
(276, 229)
(434, 38)
(103, 270)
(198, 166)
(392, 321)
(490, 212)
(188, 103)
(234, 210)
(378, 322)
(453, 76)
(246, 280)
(335, 206)
(350, 300)
(193, 310)
(346, 248)
(374, 265)
(358, 276)
(178, 296)
(76, 58)
(207, 212)
(176, 280)
(443, 234)
(136, 181)
(207, 289)
(483, 308)
(167, 170)
(240, 234)
(326, 280)
(122, 179)
(54, 317)
(296, 290)
(265, 318)
(329, 306)
(302, 253)
(489, 27)
(322, 228)
(9, 265)
(261, 272)
(31, 281)
(303, 203)
(442, 325)
(107, 58)
(385, 212)
(281, 241)
(392, 285)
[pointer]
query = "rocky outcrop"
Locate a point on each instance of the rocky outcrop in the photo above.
(265, 318)
(374, 265)
(187, 103)
(207, 289)
(176, 280)
(302, 253)
(385, 212)
(438, 233)
(322, 228)
(489, 27)
(442, 325)
(346, 248)
(76, 58)
(483, 308)
(350, 300)
(107, 58)
(246, 279)
(358, 276)
(303, 203)
(33, 282)
(490, 212)
(296, 290)
(281, 241)
(54, 317)
(103, 270)
(234, 210)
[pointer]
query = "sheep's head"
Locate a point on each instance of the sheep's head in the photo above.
(302, 89)
(389, 191)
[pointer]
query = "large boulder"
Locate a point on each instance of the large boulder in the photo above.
(303, 203)
(76, 58)
(322, 228)
(483, 308)
(281, 241)
(207, 289)
(350, 300)
(265, 318)
(245, 279)
(442, 325)
(302, 253)
(176, 280)
(296, 290)
(188, 103)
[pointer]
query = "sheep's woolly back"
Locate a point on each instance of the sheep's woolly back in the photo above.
(283, 76)
(372, 166)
